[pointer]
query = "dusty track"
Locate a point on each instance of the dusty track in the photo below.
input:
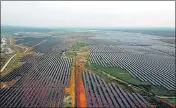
(22, 47)
(39, 43)
(80, 91)
(7, 62)
(25, 52)
(71, 88)
(2, 69)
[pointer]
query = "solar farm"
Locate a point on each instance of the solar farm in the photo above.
(89, 71)
(142, 62)
(40, 83)
(144, 67)
(101, 94)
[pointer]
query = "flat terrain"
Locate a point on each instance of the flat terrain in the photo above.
(104, 68)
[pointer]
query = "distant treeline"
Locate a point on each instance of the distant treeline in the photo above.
(158, 31)
(14, 29)
(166, 32)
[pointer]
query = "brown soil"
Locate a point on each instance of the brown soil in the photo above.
(7, 84)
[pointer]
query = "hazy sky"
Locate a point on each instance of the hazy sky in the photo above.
(89, 13)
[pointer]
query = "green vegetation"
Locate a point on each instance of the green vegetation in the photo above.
(5, 58)
(67, 101)
(81, 44)
(119, 73)
(17, 49)
(125, 76)
(70, 54)
(78, 46)
(87, 64)
(58, 56)
(14, 63)
(161, 91)
(173, 100)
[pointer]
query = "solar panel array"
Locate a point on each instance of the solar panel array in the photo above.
(102, 94)
(159, 70)
(41, 82)
(103, 48)
(148, 62)
(31, 97)
(54, 45)
(30, 41)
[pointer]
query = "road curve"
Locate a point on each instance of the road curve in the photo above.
(22, 47)
(7, 62)
(2, 69)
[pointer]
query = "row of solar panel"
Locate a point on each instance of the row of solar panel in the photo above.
(101, 94)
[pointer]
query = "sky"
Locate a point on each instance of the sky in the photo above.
(88, 13)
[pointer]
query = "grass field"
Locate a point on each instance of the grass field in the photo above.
(119, 73)
(78, 46)
(14, 63)
(70, 54)
(125, 76)
(5, 58)
(17, 49)
(173, 101)
(161, 91)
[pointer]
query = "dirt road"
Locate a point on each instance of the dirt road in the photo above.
(22, 47)
(2, 69)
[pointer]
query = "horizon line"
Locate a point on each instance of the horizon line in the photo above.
(49, 27)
